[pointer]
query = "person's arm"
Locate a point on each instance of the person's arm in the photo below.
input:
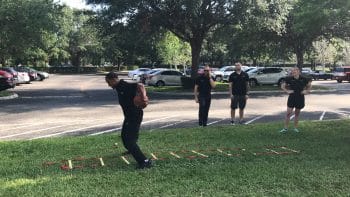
(212, 83)
(248, 88)
(196, 93)
(230, 85)
(307, 89)
(283, 87)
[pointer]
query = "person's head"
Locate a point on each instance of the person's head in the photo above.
(295, 72)
(238, 66)
(206, 70)
(112, 79)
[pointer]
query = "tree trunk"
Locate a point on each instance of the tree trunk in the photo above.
(196, 47)
(300, 58)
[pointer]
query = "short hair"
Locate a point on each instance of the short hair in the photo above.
(238, 64)
(111, 75)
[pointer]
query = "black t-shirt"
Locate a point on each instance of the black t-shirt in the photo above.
(126, 93)
(239, 83)
(204, 87)
(298, 85)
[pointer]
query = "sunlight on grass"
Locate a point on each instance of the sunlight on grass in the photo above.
(23, 182)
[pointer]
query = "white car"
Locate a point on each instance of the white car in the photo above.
(133, 74)
(142, 78)
(23, 77)
(165, 77)
(219, 74)
(229, 71)
(267, 75)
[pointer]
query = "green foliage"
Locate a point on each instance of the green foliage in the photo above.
(173, 51)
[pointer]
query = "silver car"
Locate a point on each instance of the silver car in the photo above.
(165, 77)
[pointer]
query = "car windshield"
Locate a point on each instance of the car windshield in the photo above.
(339, 69)
(254, 70)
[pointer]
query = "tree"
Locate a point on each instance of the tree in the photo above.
(23, 23)
(310, 19)
(190, 20)
(172, 50)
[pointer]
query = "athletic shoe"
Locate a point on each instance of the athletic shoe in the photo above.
(232, 122)
(283, 130)
(146, 164)
(296, 130)
(241, 122)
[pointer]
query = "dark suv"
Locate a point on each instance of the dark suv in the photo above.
(342, 74)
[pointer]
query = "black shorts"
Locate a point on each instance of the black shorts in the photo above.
(296, 101)
(238, 101)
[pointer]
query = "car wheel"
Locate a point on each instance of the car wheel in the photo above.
(253, 82)
(40, 78)
(160, 84)
(218, 78)
(339, 81)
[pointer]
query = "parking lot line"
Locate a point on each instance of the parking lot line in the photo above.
(117, 129)
(211, 123)
(291, 118)
(254, 119)
(35, 131)
(71, 131)
(322, 115)
(169, 125)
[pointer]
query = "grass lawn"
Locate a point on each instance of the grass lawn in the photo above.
(5, 93)
(321, 168)
(221, 87)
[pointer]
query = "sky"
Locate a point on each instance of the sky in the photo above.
(79, 4)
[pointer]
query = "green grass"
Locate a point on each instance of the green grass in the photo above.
(5, 93)
(320, 169)
(222, 87)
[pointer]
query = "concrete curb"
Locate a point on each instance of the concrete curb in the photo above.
(13, 96)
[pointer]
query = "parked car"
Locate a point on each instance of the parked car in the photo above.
(33, 74)
(165, 77)
(142, 78)
(133, 74)
(219, 74)
(42, 75)
(230, 70)
(12, 71)
(316, 75)
(23, 77)
(267, 75)
(342, 74)
(6, 80)
(307, 72)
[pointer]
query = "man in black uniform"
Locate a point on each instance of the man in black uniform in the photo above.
(132, 117)
(202, 94)
(296, 86)
(238, 90)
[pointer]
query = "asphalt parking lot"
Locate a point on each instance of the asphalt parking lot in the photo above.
(74, 105)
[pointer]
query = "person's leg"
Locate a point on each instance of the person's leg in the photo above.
(206, 110)
(287, 118)
(296, 117)
(201, 111)
(300, 103)
(242, 104)
(234, 103)
(131, 136)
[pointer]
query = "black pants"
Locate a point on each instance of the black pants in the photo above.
(204, 105)
(130, 133)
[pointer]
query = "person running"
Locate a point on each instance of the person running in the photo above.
(132, 117)
(296, 86)
(202, 94)
(238, 90)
